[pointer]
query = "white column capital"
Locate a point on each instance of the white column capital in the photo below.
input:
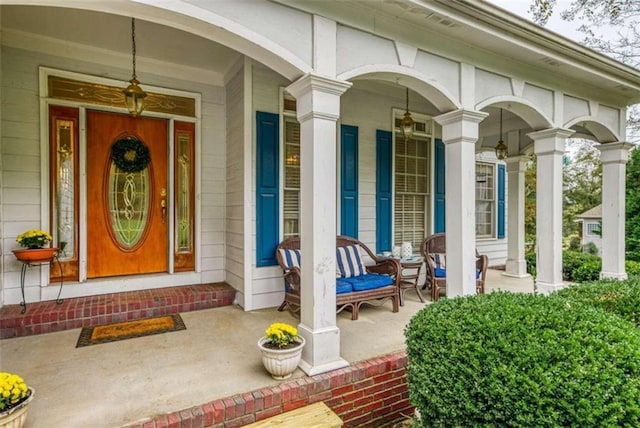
(614, 152)
(550, 133)
(517, 163)
(550, 141)
(460, 125)
(318, 96)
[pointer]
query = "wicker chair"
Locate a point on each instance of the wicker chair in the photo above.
(436, 244)
(352, 300)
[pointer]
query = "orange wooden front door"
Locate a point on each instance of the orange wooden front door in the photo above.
(127, 212)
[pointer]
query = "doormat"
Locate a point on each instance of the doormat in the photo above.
(126, 330)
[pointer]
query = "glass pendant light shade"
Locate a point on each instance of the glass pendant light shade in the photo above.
(133, 94)
(134, 98)
(501, 148)
(407, 121)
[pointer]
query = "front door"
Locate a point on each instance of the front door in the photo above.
(127, 220)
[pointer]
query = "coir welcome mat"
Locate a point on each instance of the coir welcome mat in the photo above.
(128, 329)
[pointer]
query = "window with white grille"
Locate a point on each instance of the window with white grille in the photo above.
(411, 185)
(485, 199)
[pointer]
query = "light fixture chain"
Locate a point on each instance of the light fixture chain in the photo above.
(133, 45)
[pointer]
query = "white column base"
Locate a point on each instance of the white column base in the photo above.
(516, 269)
(547, 288)
(614, 275)
(321, 353)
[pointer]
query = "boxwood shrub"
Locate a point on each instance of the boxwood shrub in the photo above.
(618, 297)
(590, 271)
(522, 360)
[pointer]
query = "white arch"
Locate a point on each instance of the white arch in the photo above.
(191, 19)
(419, 82)
(524, 108)
(590, 128)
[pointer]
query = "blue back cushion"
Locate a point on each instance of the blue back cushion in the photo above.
(349, 262)
(291, 258)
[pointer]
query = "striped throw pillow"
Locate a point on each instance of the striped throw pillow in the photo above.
(349, 262)
(291, 258)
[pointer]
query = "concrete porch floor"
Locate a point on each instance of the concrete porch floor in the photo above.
(119, 383)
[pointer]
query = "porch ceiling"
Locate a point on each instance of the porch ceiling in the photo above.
(113, 33)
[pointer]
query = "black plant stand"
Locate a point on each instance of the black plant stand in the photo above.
(23, 272)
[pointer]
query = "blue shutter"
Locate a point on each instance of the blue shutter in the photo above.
(267, 188)
(349, 180)
(439, 188)
(384, 157)
(501, 190)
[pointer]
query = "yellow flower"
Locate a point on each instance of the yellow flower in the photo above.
(34, 238)
(281, 334)
(12, 390)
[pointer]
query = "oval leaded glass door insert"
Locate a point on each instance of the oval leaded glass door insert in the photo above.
(128, 197)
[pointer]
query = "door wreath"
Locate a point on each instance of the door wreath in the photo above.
(130, 154)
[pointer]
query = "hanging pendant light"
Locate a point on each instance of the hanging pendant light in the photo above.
(133, 94)
(501, 148)
(407, 122)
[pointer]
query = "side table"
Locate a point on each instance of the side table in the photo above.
(23, 272)
(410, 276)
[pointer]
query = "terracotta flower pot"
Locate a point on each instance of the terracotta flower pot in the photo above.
(16, 416)
(35, 255)
(281, 363)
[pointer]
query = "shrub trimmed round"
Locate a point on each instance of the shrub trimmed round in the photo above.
(514, 360)
(618, 297)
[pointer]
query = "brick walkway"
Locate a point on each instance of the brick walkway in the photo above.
(46, 317)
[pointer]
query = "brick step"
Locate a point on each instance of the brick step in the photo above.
(47, 317)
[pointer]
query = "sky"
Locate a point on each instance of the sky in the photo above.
(555, 24)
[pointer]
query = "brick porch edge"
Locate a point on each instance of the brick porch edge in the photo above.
(371, 393)
(46, 317)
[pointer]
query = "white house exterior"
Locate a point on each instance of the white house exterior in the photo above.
(268, 118)
(590, 228)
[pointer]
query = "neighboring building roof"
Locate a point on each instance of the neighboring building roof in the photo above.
(595, 212)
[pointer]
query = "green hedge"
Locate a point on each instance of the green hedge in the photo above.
(571, 261)
(522, 360)
(590, 271)
(618, 297)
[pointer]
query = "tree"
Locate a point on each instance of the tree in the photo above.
(530, 196)
(598, 18)
(633, 206)
(582, 176)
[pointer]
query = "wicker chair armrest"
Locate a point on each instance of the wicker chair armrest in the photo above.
(386, 266)
(482, 262)
(292, 277)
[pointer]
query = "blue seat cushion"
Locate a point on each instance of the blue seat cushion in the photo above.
(442, 273)
(369, 281)
(343, 286)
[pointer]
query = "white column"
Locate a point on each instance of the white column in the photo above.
(549, 146)
(318, 109)
(460, 133)
(516, 264)
(614, 158)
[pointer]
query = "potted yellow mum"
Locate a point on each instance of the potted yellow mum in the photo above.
(15, 397)
(33, 242)
(281, 350)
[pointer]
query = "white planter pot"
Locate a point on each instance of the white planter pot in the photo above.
(281, 363)
(16, 416)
